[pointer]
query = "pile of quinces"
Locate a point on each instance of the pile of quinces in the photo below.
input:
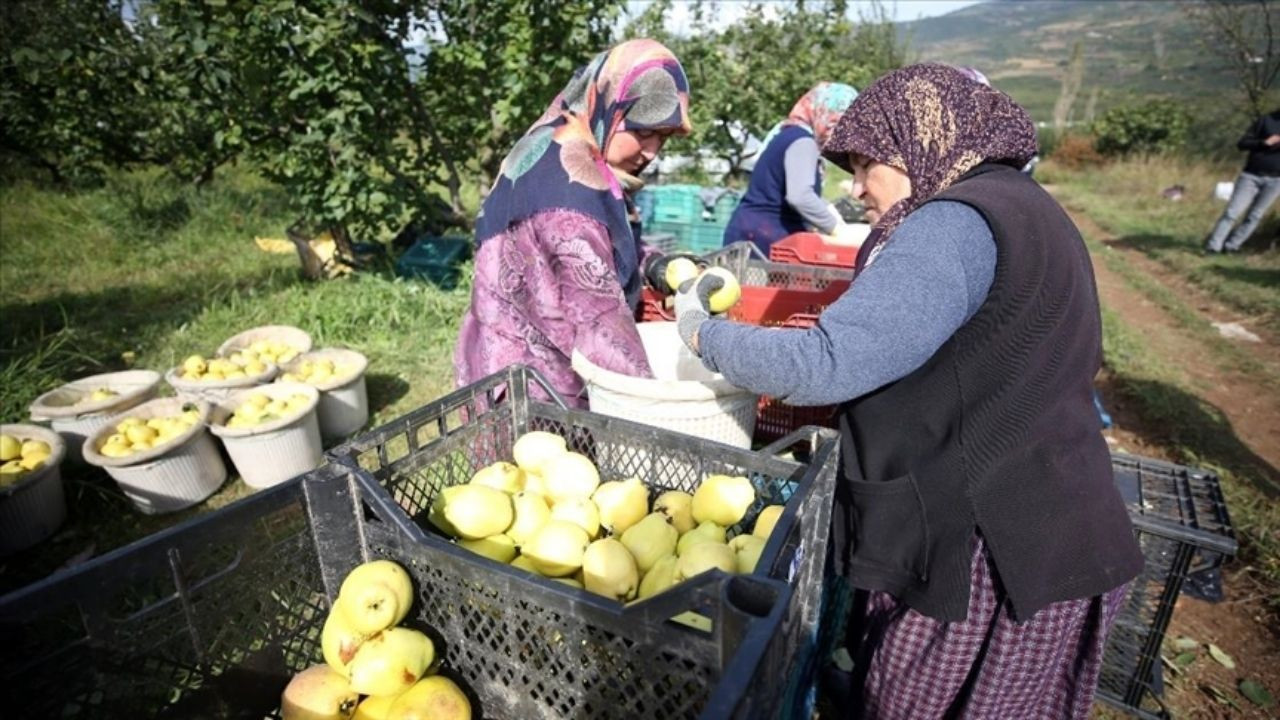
(366, 654)
(259, 408)
(98, 395)
(19, 456)
(266, 351)
(134, 435)
(549, 513)
(317, 372)
(197, 368)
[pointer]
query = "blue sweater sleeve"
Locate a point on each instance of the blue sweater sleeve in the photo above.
(927, 282)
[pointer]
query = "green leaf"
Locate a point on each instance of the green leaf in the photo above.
(1221, 697)
(1184, 643)
(1256, 693)
(1223, 659)
(1185, 659)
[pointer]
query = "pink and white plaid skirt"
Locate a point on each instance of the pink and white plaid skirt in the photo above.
(987, 666)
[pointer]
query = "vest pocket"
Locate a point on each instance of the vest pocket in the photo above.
(890, 530)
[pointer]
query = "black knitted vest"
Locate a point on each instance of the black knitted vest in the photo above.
(996, 433)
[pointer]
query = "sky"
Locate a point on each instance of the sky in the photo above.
(905, 10)
(730, 10)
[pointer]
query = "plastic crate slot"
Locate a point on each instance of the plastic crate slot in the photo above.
(1182, 524)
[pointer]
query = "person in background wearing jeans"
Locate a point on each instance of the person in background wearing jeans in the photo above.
(1256, 188)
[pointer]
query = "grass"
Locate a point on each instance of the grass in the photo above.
(141, 273)
(1195, 432)
(1125, 199)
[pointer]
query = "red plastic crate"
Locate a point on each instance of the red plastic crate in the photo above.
(785, 306)
(760, 305)
(775, 419)
(770, 307)
(812, 249)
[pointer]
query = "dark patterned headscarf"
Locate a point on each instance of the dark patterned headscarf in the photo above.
(934, 123)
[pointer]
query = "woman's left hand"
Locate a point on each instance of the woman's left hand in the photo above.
(693, 306)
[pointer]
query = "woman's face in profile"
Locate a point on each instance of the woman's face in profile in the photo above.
(633, 150)
(877, 186)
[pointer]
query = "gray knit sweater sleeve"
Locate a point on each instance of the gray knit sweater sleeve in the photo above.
(801, 164)
(927, 282)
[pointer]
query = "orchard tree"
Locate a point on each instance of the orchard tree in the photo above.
(1246, 35)
(70, 99)
(745, 78)
(490, 69)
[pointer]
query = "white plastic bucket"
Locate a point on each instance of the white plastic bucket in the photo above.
(344, 401)
(34, 507)
(215, 391)
(296, 338)
(682, 396)
(273, 452)
(168, 477)
(73, 415)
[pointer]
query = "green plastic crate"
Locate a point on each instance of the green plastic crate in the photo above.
(725, 206)
(435, 259)
(698, 236)
(676, 203)
(706, 237)
(681, 234)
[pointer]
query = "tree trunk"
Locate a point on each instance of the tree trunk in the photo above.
(1070, 88)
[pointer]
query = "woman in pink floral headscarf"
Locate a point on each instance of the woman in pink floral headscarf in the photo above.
(784, 195)
(559, 265)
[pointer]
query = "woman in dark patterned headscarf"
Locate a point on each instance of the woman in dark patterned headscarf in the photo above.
(976, 511)
(954, 125)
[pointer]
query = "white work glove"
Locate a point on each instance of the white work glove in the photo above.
(850, 234)
(693, 306)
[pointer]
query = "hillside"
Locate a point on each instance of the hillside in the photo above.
(1131, 50)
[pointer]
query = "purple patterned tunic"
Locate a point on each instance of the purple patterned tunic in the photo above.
(542, 289)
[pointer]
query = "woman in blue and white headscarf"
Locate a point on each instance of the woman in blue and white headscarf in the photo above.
(784, 195)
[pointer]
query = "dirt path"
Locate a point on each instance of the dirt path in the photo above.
(1240, 624)
(1251, 403)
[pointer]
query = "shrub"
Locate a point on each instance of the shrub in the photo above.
(1153, 126)
(1075, 151)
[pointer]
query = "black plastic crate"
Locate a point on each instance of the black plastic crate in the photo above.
(1182, 525)
(1184, 495)
(442, 444)
(211, 618)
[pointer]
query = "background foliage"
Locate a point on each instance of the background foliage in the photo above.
(377, 113)
(746, 77)
(1154, 126)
